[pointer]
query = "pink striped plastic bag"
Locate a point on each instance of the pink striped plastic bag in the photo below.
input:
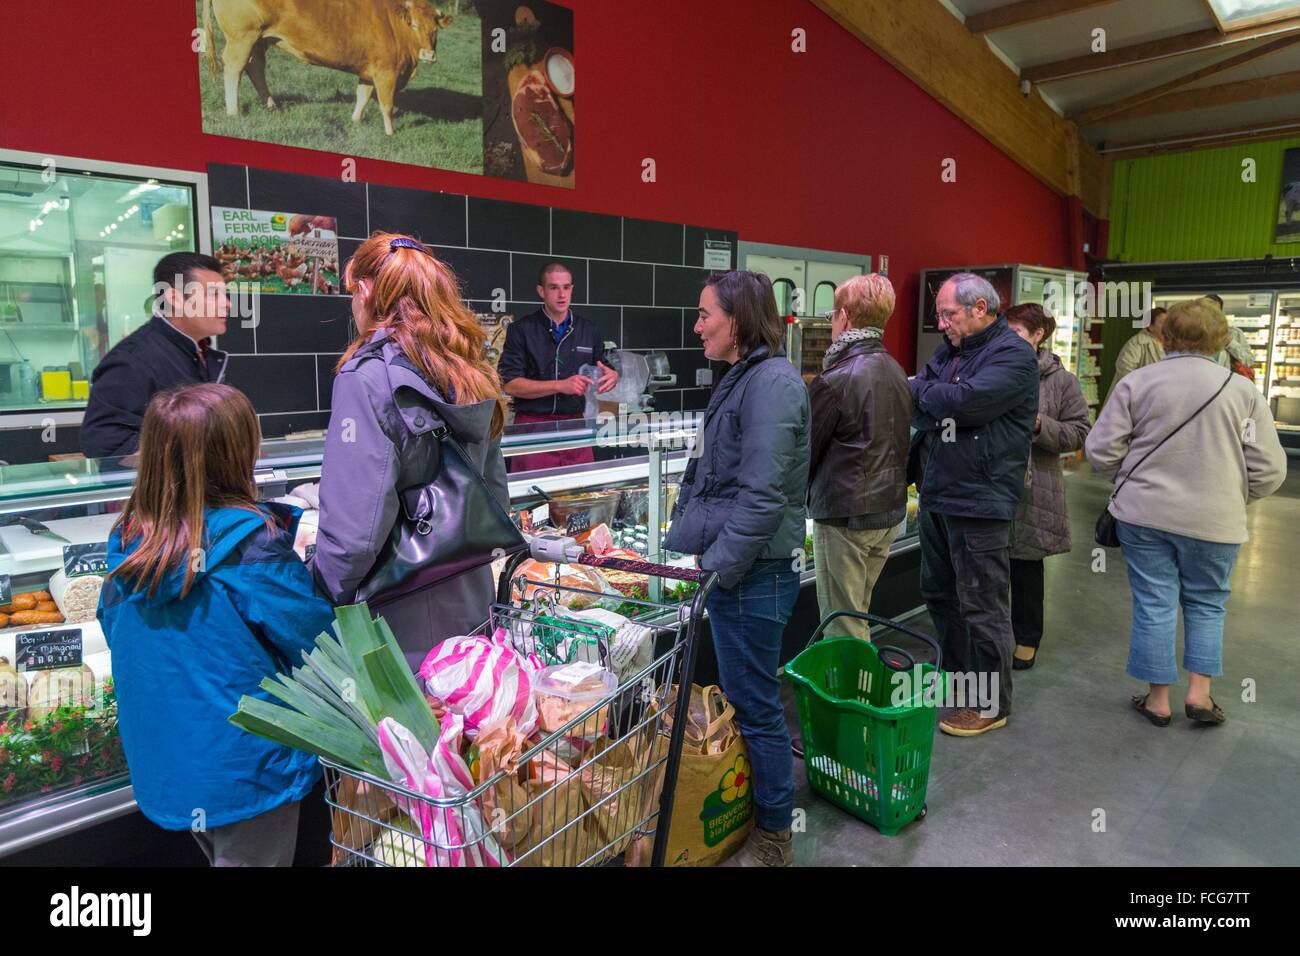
(484, 680)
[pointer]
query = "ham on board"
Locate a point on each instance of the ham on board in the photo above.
(545, 134)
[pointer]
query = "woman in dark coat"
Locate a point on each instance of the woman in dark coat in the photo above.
(1042, 525)
(417, 364)
(741, 509)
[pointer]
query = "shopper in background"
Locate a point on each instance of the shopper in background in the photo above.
(1042, 525)
(1238, 354)
(857, 485)
(541, 365)
(1144, 348)
(204, 599)
(173, 348)
(976, 400)
(741, 510)
(416, 364)
(1181, 515)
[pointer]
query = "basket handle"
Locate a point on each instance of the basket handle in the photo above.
(883, 622)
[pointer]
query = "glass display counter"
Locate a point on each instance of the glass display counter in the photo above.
(61, 762)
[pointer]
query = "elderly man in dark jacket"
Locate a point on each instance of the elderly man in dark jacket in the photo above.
(976, 400)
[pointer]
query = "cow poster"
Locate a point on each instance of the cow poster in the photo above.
(397, 81)
(276, 251)
(1287, 228)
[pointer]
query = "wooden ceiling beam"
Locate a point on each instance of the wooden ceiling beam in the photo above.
(1183, 142)
(1026, 11)
(1097, 113)
(1224, 94)
(1160, 49)
(922, 39)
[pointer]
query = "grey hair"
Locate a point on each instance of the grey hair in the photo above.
(968, 288)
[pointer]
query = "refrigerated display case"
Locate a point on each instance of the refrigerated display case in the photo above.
(1251, 311)
(78, 243)
(1074, 340)
(62, 771)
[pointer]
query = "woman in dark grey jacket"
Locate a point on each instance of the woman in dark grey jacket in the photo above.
(1042, 524)
(741, 509)
(417, 364)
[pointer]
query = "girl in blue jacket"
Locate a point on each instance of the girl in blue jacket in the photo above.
(205, 597)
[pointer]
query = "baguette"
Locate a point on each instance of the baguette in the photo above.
(35, 617)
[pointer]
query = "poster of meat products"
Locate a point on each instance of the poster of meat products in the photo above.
(474, 86)
(276, 251)
(1287, 228)
(528, 91)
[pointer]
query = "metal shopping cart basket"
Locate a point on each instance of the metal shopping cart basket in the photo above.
(593, 790)
(867, 715)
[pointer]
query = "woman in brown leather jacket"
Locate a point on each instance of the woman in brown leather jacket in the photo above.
(857, 485)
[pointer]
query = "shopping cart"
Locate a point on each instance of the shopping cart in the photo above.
(867, 716)
(592, 791)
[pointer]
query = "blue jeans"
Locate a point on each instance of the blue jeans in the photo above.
(1166, 570)
(747, 622)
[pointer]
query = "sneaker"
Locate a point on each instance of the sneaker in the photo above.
(968, 723)
(764, 848)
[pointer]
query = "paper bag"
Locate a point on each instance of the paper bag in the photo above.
(713, 804)
(620, 788)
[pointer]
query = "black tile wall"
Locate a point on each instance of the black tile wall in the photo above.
(325, 380)
(290, 192)
(436, 219)
(495, 224)
(679, 286)
(643, 276)
(645, 240)
(523, 276)
(586, 234)
(275, 383)
(625, 283)
(480, 272)
(652, 328)
(228, 185)
(240, 334)
(304, 323)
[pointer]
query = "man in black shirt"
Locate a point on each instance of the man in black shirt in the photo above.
(540, 364)
(173, 348)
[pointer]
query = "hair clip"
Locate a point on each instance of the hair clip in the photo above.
(404, 243)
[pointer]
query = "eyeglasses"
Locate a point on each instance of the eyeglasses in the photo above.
(946, 315)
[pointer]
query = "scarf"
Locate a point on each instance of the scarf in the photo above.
(847, 338)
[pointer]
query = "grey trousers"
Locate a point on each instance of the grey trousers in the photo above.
(265, 840)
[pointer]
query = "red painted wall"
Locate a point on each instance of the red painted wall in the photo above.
(831, 148)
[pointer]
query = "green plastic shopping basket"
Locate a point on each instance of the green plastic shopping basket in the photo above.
(868, 723)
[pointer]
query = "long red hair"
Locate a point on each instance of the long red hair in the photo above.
(198, 447)
(417, 296)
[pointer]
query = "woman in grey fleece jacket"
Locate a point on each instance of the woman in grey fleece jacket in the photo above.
(1182, 514)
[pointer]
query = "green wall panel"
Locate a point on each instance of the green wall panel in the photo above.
(1183, 206)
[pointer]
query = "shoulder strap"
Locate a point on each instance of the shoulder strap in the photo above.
(1172, 434)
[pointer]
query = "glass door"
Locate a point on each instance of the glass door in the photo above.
(1283, 390)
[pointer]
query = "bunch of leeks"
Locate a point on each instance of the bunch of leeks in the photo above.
(335, 700)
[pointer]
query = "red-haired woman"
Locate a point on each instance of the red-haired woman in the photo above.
(205, 598)
(417, 363)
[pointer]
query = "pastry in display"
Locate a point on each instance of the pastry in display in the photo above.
(13, 692)
(61, 687)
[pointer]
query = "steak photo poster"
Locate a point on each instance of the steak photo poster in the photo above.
(528, 92)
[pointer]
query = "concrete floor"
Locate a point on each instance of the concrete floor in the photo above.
(1182, 795)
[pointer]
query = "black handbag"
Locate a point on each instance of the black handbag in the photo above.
(1106, 532)
(451, 524)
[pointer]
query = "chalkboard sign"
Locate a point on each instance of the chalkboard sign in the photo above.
(578, 522)
(46, 650)
(6, 592)
(310, 552)
(83, 559)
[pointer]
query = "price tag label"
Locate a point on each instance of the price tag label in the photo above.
(46, 650)
(578, 522)
(83, 559)
(6, 592)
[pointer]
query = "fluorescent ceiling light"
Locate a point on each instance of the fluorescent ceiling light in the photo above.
(1234, 14)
